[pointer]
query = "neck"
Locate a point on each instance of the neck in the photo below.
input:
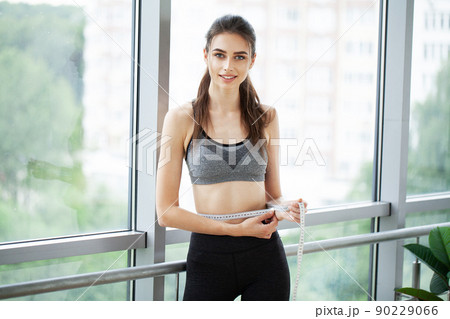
(223, 100)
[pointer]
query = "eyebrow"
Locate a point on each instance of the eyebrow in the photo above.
(223, 51)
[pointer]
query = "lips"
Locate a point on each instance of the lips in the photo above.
(228, 77)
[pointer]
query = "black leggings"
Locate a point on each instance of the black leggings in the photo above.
(224, 267)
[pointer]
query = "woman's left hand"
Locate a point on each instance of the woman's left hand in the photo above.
(292, 213)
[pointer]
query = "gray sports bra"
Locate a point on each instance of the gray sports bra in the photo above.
(210, 162)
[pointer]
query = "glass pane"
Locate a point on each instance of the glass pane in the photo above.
(45, 269)
(175, 252)
(344, 273)
(427, 218)
(317, 65)
(429, 141)
(64, 117)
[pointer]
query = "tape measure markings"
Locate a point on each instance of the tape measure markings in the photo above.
(248, 214)
(301, 242)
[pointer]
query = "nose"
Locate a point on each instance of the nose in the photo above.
(228, 64)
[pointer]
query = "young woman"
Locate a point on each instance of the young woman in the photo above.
(225, 135)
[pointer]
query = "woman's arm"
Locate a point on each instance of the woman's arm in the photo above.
(272, 181)
(176, 125)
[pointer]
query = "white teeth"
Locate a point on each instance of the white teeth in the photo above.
(227, 77)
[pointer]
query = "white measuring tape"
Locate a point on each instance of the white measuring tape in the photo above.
(251, 213)
(254, 213)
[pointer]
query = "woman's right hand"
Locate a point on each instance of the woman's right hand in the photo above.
(262, 226)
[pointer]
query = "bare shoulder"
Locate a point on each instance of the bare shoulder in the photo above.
(271, 129)
(181, 115)
(270, 112)
(179, 121)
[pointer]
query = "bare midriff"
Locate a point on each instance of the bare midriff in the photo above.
(229, 198)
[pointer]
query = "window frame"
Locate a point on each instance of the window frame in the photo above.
(92, 243)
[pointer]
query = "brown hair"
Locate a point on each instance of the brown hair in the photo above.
(252, 114)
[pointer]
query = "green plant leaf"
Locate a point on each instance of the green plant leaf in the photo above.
(419, 293)
(424, 254)
(439, 240)
(438, 285)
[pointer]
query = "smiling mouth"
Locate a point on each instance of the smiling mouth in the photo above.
(228, 77)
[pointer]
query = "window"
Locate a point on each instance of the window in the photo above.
(322, 20)
(59, 267)
(366, 16)
(320, 75)
(320, 47)
(325, 155)
(289, 45)
(65, 101)
(429, 163)
(65, 122)
(64, 116)
(288, 17)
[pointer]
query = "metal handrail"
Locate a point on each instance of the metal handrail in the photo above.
(167, 268)
(363, 239)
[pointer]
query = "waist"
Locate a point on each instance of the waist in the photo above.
(231, 197)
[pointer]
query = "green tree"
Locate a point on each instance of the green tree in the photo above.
(429, 153)
(429, 150)
(40, 113)
(53, 34)
(41, 116)
(362, 185)
(31, 114)
(41, 174)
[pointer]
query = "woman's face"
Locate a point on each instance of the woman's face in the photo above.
(229, 60)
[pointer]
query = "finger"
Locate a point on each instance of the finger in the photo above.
(294, 215)
(274, 224)
(265, 216)
(271, 224)
(269, 220)
(294, 218)
(295, 208)
(305, 204)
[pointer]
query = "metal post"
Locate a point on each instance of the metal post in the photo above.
(416, 272)
(394, 161)
(177, 286)
(152, 97)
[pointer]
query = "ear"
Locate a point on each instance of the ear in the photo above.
(205, 55)
(253, 61)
